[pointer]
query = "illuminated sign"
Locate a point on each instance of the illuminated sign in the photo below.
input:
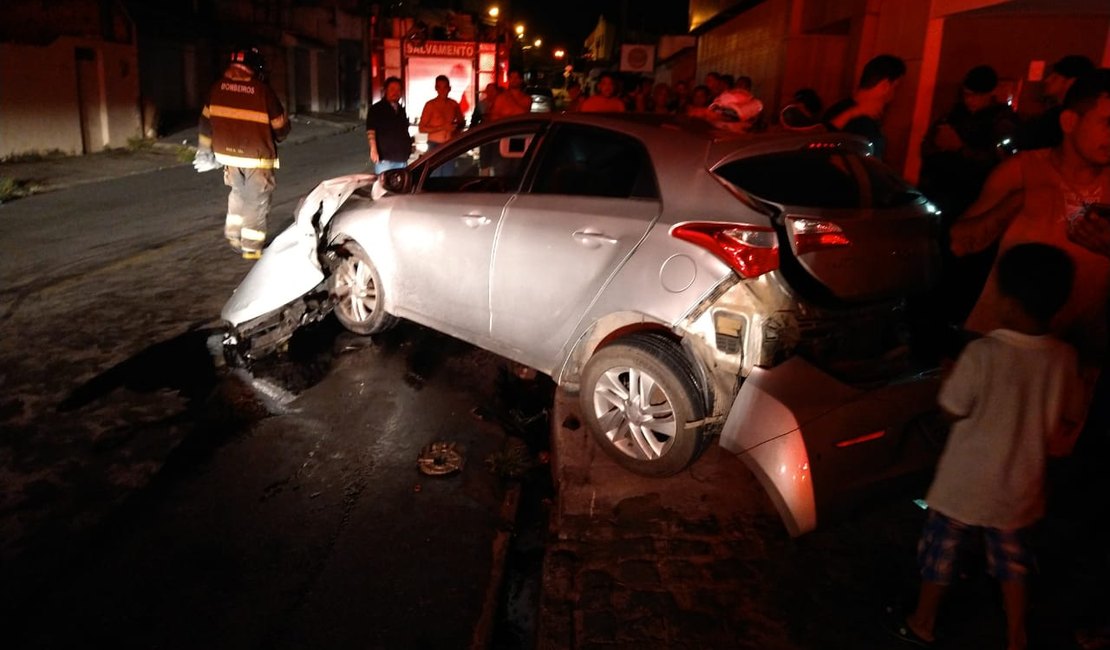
(452, 49)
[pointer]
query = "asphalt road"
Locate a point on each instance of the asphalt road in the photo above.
(99, 285)
(312, 528)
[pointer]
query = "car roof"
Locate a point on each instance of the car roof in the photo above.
(679, 131)
(685, 150)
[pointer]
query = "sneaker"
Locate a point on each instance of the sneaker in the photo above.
(252, 255)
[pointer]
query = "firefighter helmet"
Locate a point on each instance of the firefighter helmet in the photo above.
(249, 57)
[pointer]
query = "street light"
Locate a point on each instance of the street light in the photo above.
(520, 30)
(559, 53)
(494, 11)
(538, 42)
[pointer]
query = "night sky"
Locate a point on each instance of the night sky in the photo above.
(568, 22)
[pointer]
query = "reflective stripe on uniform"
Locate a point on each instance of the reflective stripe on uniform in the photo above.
(234, 220)
(205, 141)
(252, 235)
(206, 112)
(246, 163)
(242, 114)
(278, 123)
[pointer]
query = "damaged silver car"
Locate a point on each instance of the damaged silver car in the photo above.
(653, 265)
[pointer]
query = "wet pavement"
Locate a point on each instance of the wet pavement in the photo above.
(313, 527)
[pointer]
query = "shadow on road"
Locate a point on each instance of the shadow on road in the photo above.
(182, 364)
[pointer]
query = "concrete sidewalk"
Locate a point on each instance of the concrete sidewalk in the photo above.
(49, 173)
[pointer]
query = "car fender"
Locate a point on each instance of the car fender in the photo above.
(591, 337)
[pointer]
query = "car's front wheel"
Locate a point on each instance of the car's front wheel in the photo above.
(357, 291)
(638, 397)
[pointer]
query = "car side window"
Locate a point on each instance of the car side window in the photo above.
(812, 178)
(587, 161)
(493, 165)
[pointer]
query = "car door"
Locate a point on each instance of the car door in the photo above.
(442, 235)
(591, 201)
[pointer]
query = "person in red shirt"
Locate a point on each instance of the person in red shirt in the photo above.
(605, 100)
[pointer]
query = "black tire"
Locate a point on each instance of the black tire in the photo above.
(649, 444)
(356, 288)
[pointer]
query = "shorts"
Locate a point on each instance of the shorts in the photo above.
(944, 540)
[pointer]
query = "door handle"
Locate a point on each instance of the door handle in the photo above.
(475, 220)
(592, 239)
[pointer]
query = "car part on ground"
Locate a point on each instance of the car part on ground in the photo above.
(440, 459)
(805, 435)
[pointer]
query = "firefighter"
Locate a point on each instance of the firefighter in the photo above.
(240, 127)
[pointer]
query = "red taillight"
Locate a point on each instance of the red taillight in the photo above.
(813, 235)
(750, 250)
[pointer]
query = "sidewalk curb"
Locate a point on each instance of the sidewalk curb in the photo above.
(342, 125)
(483, 630)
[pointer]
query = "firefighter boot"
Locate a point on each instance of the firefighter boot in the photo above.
(252, 241)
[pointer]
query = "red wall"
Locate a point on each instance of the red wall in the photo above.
(1009, 44)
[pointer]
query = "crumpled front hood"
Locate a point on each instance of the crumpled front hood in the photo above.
(289, 267)
(326, 198)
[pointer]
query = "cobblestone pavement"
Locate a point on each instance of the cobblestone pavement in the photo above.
(701, 560)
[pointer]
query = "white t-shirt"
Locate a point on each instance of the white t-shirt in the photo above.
(1014, 391)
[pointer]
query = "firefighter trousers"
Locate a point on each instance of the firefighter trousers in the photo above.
(248, 204)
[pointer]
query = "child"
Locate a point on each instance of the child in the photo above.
(1012, 397)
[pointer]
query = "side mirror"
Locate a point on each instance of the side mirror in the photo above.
(397, 181)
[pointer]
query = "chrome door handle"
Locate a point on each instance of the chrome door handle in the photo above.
(592, 239)
(475, 220)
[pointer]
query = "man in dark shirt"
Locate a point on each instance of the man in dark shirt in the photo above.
(958, 153)
(962, 148)
(387, 130)
(1043, 130)
(862, 113)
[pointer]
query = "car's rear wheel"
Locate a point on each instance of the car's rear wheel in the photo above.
(357, 291)
(638, 397)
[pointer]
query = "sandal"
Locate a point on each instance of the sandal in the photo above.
(894, 622)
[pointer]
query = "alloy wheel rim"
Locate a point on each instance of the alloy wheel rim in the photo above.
(635, 413)
(356, 294)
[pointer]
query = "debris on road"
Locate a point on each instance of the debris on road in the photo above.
(440, 459)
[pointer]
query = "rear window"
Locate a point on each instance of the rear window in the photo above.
(886, 188)
(818, 179)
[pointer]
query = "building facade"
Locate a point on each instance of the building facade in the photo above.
(785, 45)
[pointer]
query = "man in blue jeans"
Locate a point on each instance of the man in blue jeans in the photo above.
(387, 130)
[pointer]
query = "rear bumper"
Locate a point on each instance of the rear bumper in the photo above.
(812, 440)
